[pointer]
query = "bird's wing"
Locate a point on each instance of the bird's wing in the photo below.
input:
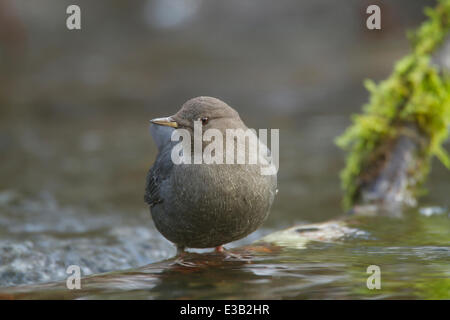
(156, 176)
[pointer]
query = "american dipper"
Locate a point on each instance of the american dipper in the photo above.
(205, 205)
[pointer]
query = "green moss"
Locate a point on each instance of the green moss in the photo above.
(415, 93)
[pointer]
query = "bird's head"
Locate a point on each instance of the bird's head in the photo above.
(212, 113)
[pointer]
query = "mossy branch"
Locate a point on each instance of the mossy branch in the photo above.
(415, 98)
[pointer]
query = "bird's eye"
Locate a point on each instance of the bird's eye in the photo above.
(204, 120)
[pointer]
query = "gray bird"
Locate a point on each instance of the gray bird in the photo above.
(205, 205)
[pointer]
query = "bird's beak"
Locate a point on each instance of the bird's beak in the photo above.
(169, 122)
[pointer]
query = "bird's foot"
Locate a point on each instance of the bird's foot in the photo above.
(230, 255)
(235, 256)
(179, 261)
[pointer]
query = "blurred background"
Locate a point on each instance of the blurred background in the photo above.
(75, 108)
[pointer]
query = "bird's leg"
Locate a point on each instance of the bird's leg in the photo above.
(219, 249)
(180, 251)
